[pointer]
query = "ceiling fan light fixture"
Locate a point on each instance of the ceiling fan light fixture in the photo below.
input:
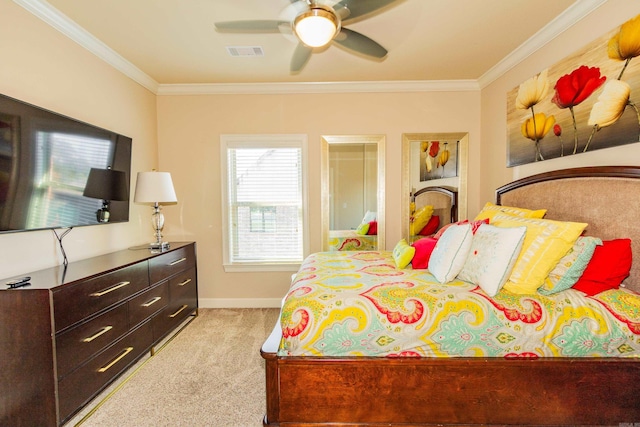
(316, 27)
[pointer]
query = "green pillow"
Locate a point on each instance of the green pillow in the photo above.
(570, 268)
(363, 228)
(403, 253)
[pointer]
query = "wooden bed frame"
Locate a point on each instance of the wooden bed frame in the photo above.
(369, 391)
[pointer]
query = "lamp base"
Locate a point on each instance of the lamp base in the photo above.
(159, 245)
(102, 215)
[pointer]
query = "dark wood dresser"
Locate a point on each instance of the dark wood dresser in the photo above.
(73, 331)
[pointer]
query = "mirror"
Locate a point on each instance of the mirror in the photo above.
(352, 175)
(421, 167)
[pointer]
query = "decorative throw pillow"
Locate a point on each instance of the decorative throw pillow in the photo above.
(474, 226)
(403, 253)
(569, 269)
(363, 228)
(610, 265)
(420, 219)
(424, 249)
(373, 228)
(450, 253)
(493, 253)
(369, 216)
(431, 226)
(443, 229)
(490, 210)
(545, 243)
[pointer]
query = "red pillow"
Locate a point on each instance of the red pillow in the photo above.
(609, 266)
(424, 248)
(373, 228)
(431, 226)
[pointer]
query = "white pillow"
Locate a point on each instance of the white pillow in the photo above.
(368, 217)
(493, 254)
(450, 253)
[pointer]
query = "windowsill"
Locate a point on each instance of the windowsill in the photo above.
(252, 268)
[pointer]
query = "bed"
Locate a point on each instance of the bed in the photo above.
(443, 200)
(369, 390)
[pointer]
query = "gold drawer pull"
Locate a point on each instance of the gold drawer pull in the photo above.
(178, 261)
(111, 289)
(179, 311)
(97, 334)
(116, 360)
(151, 302)
(184, 282)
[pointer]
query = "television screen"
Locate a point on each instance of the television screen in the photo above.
(45, 163)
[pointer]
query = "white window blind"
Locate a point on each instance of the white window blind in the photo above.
(264, 209)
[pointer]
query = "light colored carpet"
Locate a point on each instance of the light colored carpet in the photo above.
(211, 374)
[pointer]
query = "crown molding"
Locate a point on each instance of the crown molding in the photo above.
(319, 87)
(75, 32)
(553, 29)
(59, 21)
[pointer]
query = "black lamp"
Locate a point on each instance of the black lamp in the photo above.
(106, 184)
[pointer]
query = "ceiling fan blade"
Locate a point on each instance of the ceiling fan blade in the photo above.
(360, 43)
(260, 26)
(357, 8)
(300, 57)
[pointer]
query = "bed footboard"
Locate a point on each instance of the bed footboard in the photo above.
(305, 391)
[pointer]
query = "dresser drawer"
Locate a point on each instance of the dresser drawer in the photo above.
(149, 302)
(74, 303)
(173, 262)
(78, 344)
(183, 301)
(83, 384)
(182, 283)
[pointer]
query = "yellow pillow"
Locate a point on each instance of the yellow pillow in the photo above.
(490, 210)
(545, 243)
(420, 219)
(403, 253)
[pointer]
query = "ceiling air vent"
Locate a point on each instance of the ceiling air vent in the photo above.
(245, 50)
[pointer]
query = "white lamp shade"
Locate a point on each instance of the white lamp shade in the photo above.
(155, 187)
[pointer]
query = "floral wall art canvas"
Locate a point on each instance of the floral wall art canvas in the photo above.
(438, 159)
(584, 103)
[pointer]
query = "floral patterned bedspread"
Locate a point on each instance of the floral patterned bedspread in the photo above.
(359, 304)
(349, 240)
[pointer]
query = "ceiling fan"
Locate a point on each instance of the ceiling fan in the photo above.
(315, 24)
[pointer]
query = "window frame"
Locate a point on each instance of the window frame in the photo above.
(228, 141)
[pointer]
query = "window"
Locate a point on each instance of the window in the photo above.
(264, 201)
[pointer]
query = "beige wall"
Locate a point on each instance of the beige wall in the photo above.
(43, 67)
(189, 146)
(493, 170)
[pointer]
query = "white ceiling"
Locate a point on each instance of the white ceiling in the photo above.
(169, 42)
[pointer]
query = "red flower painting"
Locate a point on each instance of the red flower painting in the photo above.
(575, 87)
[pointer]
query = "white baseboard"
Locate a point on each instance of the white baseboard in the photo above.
(239, 302)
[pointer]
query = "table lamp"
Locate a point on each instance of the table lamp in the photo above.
(156, 188)
(106, 184)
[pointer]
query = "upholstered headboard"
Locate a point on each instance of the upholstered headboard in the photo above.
(607, 198)
(443, 199)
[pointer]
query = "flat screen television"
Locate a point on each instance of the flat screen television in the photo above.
(45, 163)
